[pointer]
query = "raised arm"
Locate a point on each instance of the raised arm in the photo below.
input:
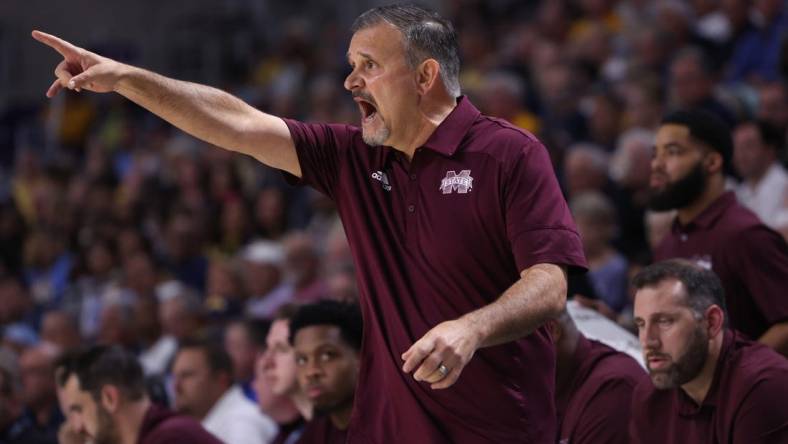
(202, 111)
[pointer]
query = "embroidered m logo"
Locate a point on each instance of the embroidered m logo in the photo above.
(462, 183)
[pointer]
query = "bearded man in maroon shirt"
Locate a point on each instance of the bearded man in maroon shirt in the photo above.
(594, 385)
(693, 150)
(708, 383)
(102, 393)
(459, 231)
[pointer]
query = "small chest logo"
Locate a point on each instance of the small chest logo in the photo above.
(703, 261)
(383, 178)
(461, 183)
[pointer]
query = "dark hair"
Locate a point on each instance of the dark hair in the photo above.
(217, 357)
(770, 135)
(707, 128)
(286, 312)
(257, 330)
(425, 35)
(703, 288)
(345, 315)
(102, 365)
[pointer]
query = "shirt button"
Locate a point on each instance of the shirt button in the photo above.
(411, 208)
(412, 177)
(684, 237)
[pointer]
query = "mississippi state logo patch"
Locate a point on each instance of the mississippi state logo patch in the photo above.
(461, 183)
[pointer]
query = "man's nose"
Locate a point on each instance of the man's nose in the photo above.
(353, 81)
(649, 338)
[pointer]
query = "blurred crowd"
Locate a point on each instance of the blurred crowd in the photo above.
(116, 228)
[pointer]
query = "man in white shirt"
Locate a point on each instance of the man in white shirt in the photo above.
(204, 389)
(764, 187)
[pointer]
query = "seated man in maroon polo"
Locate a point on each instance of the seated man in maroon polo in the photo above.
(691, 154)
(102, 392)
(593, 386)
(326, 337)
(708, 383)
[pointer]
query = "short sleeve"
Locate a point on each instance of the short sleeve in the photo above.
(606, 417)
(321, 150)
(763, 269)
(538, 223)
(763, 416)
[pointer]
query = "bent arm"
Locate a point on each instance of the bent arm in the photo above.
(539, 294)
(213, 116)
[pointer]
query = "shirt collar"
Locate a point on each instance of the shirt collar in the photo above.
(710, 215)
(447, 136)
(687, 406)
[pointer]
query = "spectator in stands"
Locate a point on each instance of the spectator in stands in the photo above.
(183, 257)
(302, 266)
(629, 169)
(708, 383)
(263, 273)
(326, 337)
(594, 385)
(773, 106)
(117, 323)
(204, 388)
(585, 169)
(37, 375)
(277, 384)
(224, 292)
(270, 213)
(714, 230)
(16, 303)
(764, 187)
(756, 56)
(181, 316)
(103, 392)
(692, 84)
(240, 344)
(15, 426)
(595, 217)
(60, 328)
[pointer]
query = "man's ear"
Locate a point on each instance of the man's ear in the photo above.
(427, 74)
(713, 162)
(715, 318)
(110, 398)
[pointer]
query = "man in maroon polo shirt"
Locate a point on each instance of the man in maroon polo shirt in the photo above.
(708, 383)
(457, 225)
(102, 392)
(692, 150)
(593, 387)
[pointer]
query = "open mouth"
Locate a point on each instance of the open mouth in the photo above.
(368, 110)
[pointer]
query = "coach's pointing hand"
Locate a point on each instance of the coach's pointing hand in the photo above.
(80, 69)
(441, 354)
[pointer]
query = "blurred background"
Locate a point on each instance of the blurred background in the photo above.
(117, 228)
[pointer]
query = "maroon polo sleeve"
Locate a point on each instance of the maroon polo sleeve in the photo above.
(763, 270)
(322, 150)
(763, 416)
(606, 416)
(538, 223)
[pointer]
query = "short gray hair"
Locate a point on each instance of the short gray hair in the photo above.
(425, 35)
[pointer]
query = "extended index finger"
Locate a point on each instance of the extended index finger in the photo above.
(65, 48)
